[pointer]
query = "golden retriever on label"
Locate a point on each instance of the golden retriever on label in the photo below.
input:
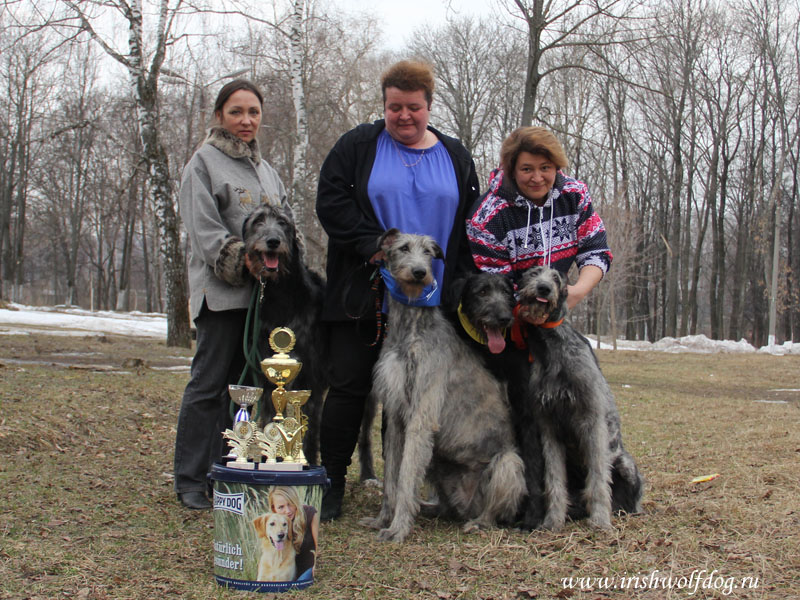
(277, 562)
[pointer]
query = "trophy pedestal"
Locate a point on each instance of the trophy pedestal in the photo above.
(248, 466)
(280, 466)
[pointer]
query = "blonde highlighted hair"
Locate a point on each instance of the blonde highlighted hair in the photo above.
(299, 520)
(535, 140)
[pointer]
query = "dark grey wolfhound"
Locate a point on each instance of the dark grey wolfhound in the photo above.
(291, 296)
(576, 412)
(486, 312)
(447, 418)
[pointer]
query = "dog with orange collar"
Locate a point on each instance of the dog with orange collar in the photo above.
(572, 404)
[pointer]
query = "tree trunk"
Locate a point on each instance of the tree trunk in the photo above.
(535, 19)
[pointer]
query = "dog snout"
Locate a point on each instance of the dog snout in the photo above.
(543, 289)
(273, 243)
(419, 273)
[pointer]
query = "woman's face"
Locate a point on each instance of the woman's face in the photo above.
(406, 115)
(241, 115)
(535, 175)
(281, 505)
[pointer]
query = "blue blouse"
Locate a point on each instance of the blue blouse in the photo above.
(415, 191)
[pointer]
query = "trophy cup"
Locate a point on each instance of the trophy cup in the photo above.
(284, 435)
(246, 441)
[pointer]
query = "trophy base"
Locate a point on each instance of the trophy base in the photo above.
(281, 466)
(248, 466)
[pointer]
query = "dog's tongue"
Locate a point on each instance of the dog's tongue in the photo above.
(542, 300)
(271, 262)
(495, 340)
(279, 545)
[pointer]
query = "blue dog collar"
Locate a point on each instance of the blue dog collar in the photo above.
(430, 296)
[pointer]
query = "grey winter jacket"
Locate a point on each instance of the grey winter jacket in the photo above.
(224, 181)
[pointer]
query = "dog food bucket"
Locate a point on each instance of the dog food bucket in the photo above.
(266, 527)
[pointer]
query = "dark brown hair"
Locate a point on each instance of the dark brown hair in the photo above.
(536, 140)
(234, 86)
(409, 76)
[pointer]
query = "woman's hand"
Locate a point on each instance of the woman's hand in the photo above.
(588, 278)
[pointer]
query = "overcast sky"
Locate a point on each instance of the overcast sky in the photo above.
(398, 18)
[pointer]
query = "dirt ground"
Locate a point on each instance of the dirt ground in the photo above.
(87, 428)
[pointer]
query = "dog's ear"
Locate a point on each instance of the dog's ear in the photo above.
(508, 284)
(437, 251)
(387, 239)
(246, 224)
(457, 287)
(289, 531)
(260, 525)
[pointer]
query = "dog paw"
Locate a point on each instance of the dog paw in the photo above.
(473, 526)
(372, 483)
(551, 524)
(372, 522)
(392, 535)
(601, 522)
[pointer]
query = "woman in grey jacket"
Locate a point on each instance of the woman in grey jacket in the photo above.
(224, 181)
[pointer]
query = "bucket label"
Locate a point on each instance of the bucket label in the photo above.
(231, 502)
(265, 536)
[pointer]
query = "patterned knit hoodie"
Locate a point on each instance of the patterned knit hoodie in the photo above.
(509, 234)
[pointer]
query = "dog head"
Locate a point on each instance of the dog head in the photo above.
(409, 258)
(270, 239)
(487, 302)
(274, 529)
(543, 291)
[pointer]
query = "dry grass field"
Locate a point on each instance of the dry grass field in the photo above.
(88, 512)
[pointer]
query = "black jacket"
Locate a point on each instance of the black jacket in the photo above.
(345, 211)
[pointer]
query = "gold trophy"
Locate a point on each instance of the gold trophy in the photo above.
(247, 443)
(284, 435)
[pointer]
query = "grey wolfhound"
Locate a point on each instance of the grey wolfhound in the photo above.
(290, 296)
(576, 412)
(447, 418)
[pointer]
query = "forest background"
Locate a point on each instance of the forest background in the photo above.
(683, 118)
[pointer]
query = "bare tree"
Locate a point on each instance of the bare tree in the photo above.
(469, 60)
(766, 20)
(553, 24)
(25, 80)
(144, 69)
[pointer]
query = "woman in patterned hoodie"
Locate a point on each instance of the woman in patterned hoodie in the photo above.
(533, 214)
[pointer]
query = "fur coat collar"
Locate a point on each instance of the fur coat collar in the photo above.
(224, 141)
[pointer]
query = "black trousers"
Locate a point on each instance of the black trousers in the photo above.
(204, 414)
(350, 378)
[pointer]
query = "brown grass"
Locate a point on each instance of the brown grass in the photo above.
(88, 509)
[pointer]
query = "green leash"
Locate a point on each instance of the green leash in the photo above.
(252, 327)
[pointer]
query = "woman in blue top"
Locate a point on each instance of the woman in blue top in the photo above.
(396, 172)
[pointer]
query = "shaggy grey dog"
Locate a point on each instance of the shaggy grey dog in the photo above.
(447, 418)
(575, 411)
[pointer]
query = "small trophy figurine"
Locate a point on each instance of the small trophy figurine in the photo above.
(284, 435)
(246, 441)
